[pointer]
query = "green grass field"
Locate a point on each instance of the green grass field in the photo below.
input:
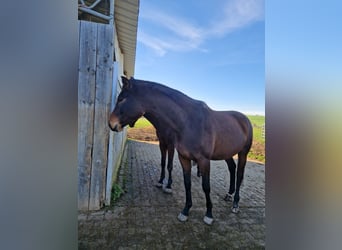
(258, 149)
(142, 123)
(257, 121)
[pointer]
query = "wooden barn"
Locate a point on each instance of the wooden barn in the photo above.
(107, 48)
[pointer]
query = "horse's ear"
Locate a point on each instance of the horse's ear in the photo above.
(125, 82)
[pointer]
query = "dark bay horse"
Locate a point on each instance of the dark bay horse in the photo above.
(201, 134)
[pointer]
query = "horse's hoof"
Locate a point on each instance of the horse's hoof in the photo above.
(167, 190)
(235, 210)
(208, 220)
(159, 185)
(228, 197)
(181, 217)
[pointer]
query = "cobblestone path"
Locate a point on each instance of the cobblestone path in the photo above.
(146, 218)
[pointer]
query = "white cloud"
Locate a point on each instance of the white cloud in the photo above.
(177, 25)
(238, 14)
(161, 46)
(185, 36)
(182, 36)
(156, 44)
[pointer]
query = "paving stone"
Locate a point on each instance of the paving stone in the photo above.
(146, 218)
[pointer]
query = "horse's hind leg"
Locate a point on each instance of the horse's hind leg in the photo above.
(240, 173)
(232, 169)
(162, 148)
(171, 151)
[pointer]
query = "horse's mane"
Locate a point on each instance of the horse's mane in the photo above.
(176, 95)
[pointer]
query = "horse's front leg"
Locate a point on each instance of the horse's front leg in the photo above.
(162, 148)
(186, 165)
(171, 151)
(204, 166)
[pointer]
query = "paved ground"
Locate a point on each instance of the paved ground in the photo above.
(146, 218)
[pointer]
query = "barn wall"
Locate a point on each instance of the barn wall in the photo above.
(116, 140)
(98, 157)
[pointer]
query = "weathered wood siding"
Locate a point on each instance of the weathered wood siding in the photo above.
(95, 102)
(116, 140)
(86, 98)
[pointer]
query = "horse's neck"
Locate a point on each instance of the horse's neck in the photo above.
(154, 120)
(164, 112)
(162, 120)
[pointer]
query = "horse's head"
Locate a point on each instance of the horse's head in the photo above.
(127, 108)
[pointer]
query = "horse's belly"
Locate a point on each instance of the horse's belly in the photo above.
(223, 155)
(224, 151)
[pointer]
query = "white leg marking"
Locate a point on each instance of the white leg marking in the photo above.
(208, 220)
(235, 210)
(181, 217)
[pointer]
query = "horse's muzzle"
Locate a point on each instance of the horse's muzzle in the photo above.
(115, 127)
(111, 128)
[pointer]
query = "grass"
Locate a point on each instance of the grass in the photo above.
(142, 123)
(118, 187)
(258, 148)
(257, 121)
(117, 191)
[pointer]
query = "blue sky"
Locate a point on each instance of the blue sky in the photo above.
(210, 50)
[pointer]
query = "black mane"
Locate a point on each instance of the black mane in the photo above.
(175, 95)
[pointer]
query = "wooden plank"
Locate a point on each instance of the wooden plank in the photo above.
(86, 96)
(104, 68)
(112, 158)
(117, 50)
